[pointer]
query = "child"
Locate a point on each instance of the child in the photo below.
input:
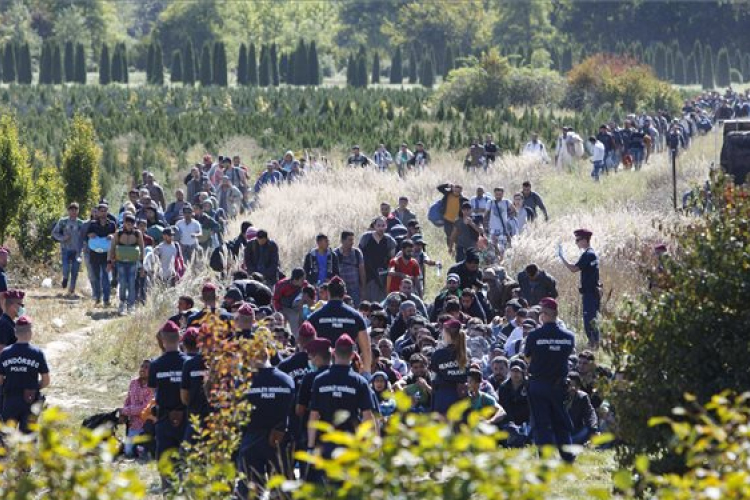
(381, 387)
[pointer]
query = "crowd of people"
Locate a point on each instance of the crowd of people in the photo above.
(352, 322)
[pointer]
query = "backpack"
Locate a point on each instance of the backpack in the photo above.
(435, 213)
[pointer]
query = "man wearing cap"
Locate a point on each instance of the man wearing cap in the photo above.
(547, 349)
(67, 232)
(103, 228)
(188, 231)
(165, 376)
(340, 389)
(378, 248)
(513, 396)
(590, 290)
(192, 390)
(336, 319)
(271, 395)
(452, 289)
(23, 373)
(357, 159)
(468, 271)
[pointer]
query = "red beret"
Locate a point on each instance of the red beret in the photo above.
(5, 250)
(344, 342)
(207, 158)
(207, 287)
(452, 323)
(582, 233)
(14, 294)
(251, 233)
(191, 335)
(336, 280)
(23, 321)
(306, 330)
(170, 327)
(246, 310)
(548, 303)
(318, 345)
(661, 247)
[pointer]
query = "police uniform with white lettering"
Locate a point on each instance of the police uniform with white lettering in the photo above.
(165, 376)
(335, 319)
(272, 397)
(449, 380)
(297, 366)
(7, 325)
(548, 349)
(21, 367)
(304, 389)
(193, 380)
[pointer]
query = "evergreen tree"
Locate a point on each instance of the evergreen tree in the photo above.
(14, 173)
(242, 66)
(274, 61)
(313, 65)
(427, 73)
(9, 63)
(723, 70)
(206, 67)
(680, 77)
(150, 64)
(24, 65)
(69, 62)
(220, 65)
(351, 72)
(289, 77)
(362, 70)
(669, 64)
(397, 67)
(45, 65)
(124, 71)
(449, 61)
(116, 70)
(301, 74)
(375, 68)
(80, 64)
(158, 68)
(698, 54)
(105, 65)
(80, 164)
(707, 72)
(188, 65)
(252, 66)
(265, 78)
(660, 61)
(413, 69)
(175, 74)
(57, 69)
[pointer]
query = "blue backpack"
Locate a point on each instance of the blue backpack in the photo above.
(436, 211)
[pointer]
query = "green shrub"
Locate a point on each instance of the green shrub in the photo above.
(81, 165)
(14, 174)
(688, 336)
(40, 209)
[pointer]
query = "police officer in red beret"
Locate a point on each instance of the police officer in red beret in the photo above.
(23, 373)
(449, 366)
(192, 391)
(588, 266)
(547, 350)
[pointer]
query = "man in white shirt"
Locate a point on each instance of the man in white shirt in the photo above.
(497, 218)
(188, 230)
(536, 149)
(479, 205)
(167, 253)
(597, 156)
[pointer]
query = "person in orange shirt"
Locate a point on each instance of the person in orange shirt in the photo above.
(403, 266)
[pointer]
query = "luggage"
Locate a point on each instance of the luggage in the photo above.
(435, 213)
(99, 244)
(127, 253)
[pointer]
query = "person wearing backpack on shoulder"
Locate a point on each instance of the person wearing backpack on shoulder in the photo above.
(125, 256)
(453, 198)
(68, 232)
(351, 266)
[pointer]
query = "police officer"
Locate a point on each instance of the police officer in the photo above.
(588, 266)
(23, 373)
(271, 396)
(339, 389)
(192, 391)
(336, 319)
(319, 351)
(165, 376)
(13, 310)
(449, 366)
(210, 309)
(245, 321)
(547, 350)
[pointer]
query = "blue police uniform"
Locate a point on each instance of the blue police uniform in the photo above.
(197, 318)
(7, 337)
(304, 396)
(588, 263)
(549, 347)
(271, 396)
(335, 319)
(193, 378)
(448, 381)
(165, 376)
(296, 366)
(21, 365)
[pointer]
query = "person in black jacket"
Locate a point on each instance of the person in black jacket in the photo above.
(536, 284)
(581, 411)
(262, 256)
(321, 264)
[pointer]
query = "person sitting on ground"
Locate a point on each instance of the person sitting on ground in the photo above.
(139, 396)
(582, 413)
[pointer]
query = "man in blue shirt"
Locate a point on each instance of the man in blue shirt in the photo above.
(588, 266)
(547, 350)
(165, 376)
(23, 373)
(339, 389)
(271, 396)
(321, 263)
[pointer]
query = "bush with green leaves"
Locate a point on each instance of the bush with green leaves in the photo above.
(81, 164)
(690, 333)
(14, 174)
